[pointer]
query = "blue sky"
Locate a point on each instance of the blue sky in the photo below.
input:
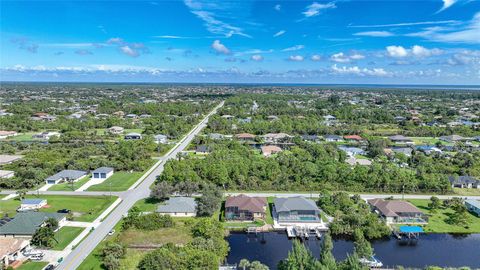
(401, 42)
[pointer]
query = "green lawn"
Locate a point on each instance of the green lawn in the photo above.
(65, 235)
(467, 191)
(268, 217)
(23, 137)
(119, 181)
(29, 265)
(9, 207)
(437, 221)
(84, 208)
(68, 186)
(147, 205)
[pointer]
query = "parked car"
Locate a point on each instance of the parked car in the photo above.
(50, 267)
(111, 232)
(64, 211)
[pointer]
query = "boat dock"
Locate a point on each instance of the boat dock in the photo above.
(303, 232)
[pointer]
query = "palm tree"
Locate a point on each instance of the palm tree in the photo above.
(244, 263)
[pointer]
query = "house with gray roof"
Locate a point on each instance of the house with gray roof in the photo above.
(133, 136)
(464, 181)
(65, 175)
(400, 139)
(160, 139)
(178, 207)
(473, 206)
(25, 224)
(296, 210)
(102, 173)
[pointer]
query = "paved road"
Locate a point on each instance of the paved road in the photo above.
(364, 196)
(75, 258)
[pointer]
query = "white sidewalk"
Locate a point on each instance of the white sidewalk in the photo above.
(45, 187)
(10, 196)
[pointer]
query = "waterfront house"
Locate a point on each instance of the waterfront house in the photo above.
(178, 207)
(25, 224)
(102, 173)
(65, 175)
(6, 174)
(473, 206)
(133, 136)
(464, 181)
(296, 210)
(352, 161)
(31, 204)
(11, 251)
(243, 207)
(268, 150)
(115, 130)
(395, 211)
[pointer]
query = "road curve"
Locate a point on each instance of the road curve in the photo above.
(76, 257)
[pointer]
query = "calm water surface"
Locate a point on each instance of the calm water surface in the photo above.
(432, 249)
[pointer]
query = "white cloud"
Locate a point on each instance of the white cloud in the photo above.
(355, 70)
(170, 37)
(469, 34)
(219, 47)
(396, 51)
(256, 57)
(129, 51)
(316, 57)
(115, 40)
(447, 4)
(205, 12)
(416, 50)
(340, 58)
(279, 33)
(293, 48)
(277, 7)
(421, 51)
(344, 58)
(374, 34)
(406, 24)
(296, 58)
(315, 8)
(357, 56)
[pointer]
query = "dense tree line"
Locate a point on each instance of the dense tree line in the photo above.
(306, 166)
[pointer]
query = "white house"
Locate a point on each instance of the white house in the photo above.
(46, 135)
(102, 173)
(32, 204)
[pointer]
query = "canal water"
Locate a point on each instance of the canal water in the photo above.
(443, 250)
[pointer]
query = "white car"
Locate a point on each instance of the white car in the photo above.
(111, 232)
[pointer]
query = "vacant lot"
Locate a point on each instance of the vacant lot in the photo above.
(84, 208)
(68, 186)
(437, 221)
(178, 234)
(119, 181)
(65, 236)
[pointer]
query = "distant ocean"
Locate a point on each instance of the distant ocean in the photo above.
(340, 86)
